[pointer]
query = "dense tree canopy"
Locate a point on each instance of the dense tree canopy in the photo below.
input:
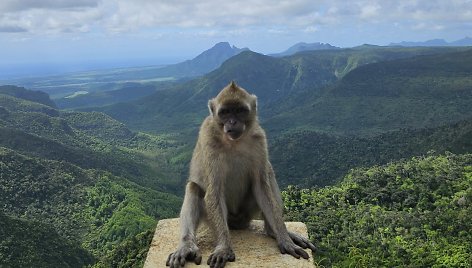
(409, 213)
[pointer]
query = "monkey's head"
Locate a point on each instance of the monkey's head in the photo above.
(234, 110)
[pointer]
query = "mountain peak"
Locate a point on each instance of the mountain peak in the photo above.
(205, 62)
(222, 48)
(302, 46)
(30, 95)
(217, 54)
(222, 44)
(466, 41)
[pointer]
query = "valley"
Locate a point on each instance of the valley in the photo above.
(93, 163)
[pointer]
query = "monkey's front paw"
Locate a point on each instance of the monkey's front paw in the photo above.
(183, 254)
(219, 257)
(292, 249)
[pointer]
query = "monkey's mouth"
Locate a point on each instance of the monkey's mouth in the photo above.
(233, 132)
(233, 135)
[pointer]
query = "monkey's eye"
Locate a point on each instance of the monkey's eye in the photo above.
(240, 110)
(223, 112)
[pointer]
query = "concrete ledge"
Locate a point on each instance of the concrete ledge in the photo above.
(253, 248)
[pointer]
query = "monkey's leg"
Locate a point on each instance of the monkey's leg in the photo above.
(267, 194)
(296, 238)
(217, 217)
(190, 215)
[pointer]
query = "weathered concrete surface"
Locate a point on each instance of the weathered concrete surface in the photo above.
(253, 248)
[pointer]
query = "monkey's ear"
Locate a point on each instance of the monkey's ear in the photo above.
(211, 107)
(233, 84)
(254, 103)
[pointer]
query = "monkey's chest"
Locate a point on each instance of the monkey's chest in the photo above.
(236, 194)
(240, 163)
(237, 183)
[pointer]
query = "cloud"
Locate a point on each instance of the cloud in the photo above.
(11, 29)
(427, 26)
(310, 29)
(118, 16)
(21, 5)
(370, 11)
(206, 13)
(131, 15)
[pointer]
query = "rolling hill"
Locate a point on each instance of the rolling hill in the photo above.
(40, 242)
(135, 81)
(410, 213)
(273, 80)
(79, 215)
(466, 41)
(205, 62)
(80, 184)
(90, 140)
(416, 92)
(302, 46)
(310, 158)
(329, 111)
(23, 93)
(87, 189)
(123, 92)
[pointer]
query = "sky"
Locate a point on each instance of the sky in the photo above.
(47, 36)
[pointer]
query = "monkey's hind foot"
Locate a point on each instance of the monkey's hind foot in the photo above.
(302, 241)
(219, 257)
(182, 254)
(289, 247)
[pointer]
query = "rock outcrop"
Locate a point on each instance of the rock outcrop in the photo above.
(253, 248)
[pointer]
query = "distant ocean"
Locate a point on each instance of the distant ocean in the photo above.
(11, 71)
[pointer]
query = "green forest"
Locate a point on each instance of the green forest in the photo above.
(371, 146)
(78, 189)
(410, 213)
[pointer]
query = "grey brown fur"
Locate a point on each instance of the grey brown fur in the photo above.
(231, 181)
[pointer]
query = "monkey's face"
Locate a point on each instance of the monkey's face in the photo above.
(233, 111)
(233, 119)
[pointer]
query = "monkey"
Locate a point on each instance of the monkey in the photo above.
(231, 181)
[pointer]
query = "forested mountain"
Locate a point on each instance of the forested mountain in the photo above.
(90, 140)
(205, 62)
(273, 80)
(124, 92)
(311, 158)
(23, 93)
(415, 213)
(106, 87)
(112, 93)
(302, 46)
(331, 110)
(413, 92)
(466, 41)
(80, 185)
(86, 188)
(91, 210)
(42, 245)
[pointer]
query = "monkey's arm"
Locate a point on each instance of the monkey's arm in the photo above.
(267, 194)
(192, 210)
(217, 217)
